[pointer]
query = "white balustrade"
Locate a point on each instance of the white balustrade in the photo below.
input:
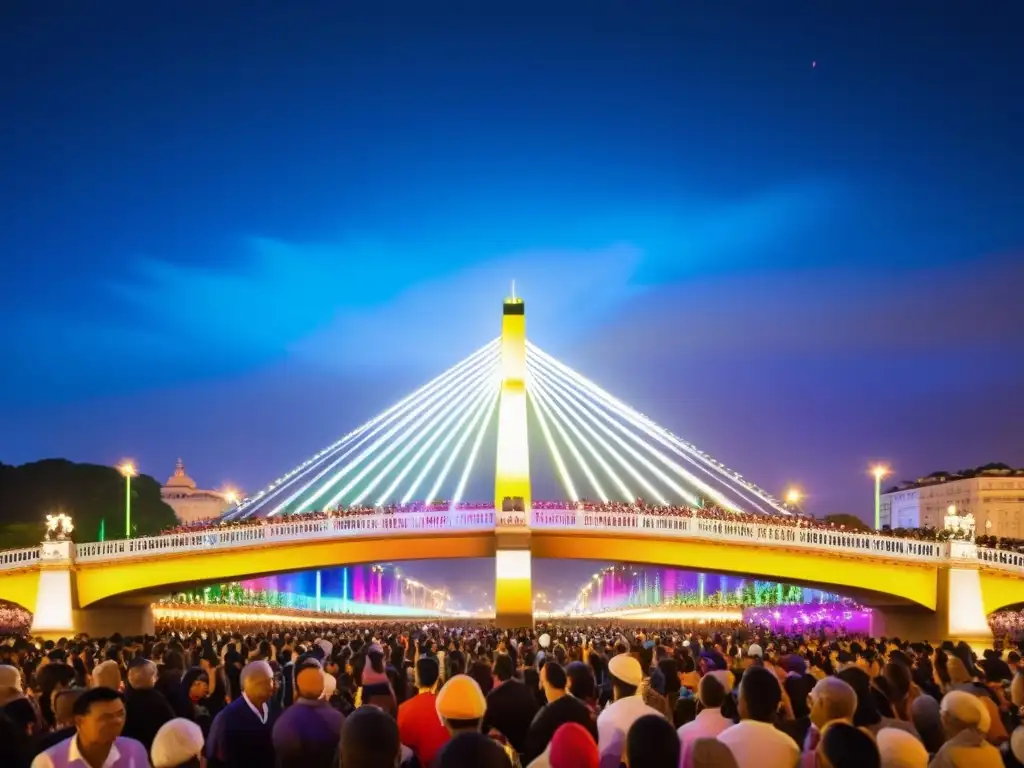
(288, 530)
(741, 533)
(11, 559)
(569, 520)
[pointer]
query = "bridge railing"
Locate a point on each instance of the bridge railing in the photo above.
(285, 531)
(1002, 559)
(741, 532)
(11, 559)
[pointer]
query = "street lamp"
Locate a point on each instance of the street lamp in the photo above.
(879, 471)
(793, 497)
(128, 470)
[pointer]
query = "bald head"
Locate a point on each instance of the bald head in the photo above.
(257, 682)
(141, 675)
(107, 674)
(309, 679)
(832, 699)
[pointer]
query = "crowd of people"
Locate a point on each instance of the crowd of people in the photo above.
(376, 695)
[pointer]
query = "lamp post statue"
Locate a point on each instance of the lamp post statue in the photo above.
(59, 527)
(879, 471)
(128, 470)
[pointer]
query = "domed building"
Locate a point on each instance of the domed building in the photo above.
(189, 502)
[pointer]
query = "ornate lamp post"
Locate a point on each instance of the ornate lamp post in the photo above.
(128, 470)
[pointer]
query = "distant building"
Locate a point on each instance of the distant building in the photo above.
(188, 502)
(994, 494)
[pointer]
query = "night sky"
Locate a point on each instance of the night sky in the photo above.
(790, 232)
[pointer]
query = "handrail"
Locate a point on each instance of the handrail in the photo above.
(291, 531)
(741, 532)
(11, 559)
(547, 519)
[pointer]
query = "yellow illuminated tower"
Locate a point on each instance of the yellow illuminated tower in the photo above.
(513, 594)
(512, 473)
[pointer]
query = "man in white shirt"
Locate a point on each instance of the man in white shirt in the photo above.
(710, 722)
(97, 743)
(627, 707)
(755, 742)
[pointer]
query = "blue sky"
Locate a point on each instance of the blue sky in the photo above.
(790, 232)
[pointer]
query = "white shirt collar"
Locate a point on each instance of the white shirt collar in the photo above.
(262, 715)
(75, 755)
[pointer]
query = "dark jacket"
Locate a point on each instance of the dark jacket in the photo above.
(146, 710)
(567, 709)
(306, 735)
(238, 738)
(510, 710)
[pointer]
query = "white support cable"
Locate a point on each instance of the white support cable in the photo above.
(577, 405)
(278, 485)
(556, 455)
(464, 407)
(410, 406)
(595, 442)
(472, 408)
(404, 430)
(420, 429)
(446, 468)
(593, 408)
(481, 430)
(542, 401)
(676, 444)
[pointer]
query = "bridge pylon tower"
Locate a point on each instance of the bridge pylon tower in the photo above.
(513, 585)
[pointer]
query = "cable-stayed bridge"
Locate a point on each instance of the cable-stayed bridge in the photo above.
(395, 489)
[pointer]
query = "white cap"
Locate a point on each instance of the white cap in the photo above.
(965, 707)
(627, 669)
(900, 749)
(544, 640)
(178, 741)
(755, 650)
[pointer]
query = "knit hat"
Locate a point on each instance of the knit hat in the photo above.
(626, 668)
(461, 699)
(900, 749)
(10, 677)
(178, 741)
(572, 746)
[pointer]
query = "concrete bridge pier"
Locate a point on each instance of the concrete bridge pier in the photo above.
(513, 582)
(959, 612)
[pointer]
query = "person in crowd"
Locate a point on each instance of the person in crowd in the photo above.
(99, 719)
(419, 726)
(369, 739)
(240, 736)
(461, 705)
(843, 745)
(196, 684)
(562, 707)
(107, 674)
(511, 706)
(964, 722)
(178, 744)
(627, 707)
(832, 701)
(898, 749)
(709, 722)
(375, 686)
(868, 714)
(11, 686)
(64, 715)
(306, 734)
(146, 707)
(49, 680)
(652, 742)
(571, 746)
(472, 749)
(755, 742)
